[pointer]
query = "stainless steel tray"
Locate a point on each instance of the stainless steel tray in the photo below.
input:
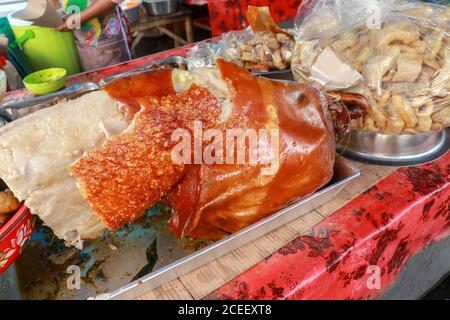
(277, 75)
(397, 150)
(110, 265)
(344, 173)
(77, 90)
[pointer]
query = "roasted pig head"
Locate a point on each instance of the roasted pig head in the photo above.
(214, 200)
(100, 161)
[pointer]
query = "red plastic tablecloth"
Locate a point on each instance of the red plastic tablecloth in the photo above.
(372, 236)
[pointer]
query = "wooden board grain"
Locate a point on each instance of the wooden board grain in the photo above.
(206, 279)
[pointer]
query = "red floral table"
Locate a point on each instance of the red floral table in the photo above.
(377, 232)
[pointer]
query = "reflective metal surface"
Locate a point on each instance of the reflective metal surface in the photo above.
(112, 263)
(397, 150)
(76, 89)
(173, 61)
(276, 75)
(160, 7)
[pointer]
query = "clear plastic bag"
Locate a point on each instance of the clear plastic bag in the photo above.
(260, 48)
(395, 53)
(106, 53)
(205, 54)
(256, 51)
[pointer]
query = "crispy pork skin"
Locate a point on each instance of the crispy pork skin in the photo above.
(105, 158)
(131, 171)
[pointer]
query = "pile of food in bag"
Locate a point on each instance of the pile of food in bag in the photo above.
(262, 47)
(395, 53)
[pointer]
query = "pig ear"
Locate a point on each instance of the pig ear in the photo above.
(356, 104)
(345, 107)
(260, 20)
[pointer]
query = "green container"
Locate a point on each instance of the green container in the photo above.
(46, 48)
(46, 81)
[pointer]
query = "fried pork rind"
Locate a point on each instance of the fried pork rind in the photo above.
(404, 58)
(8, 203)
(262, 47)
(256, 51)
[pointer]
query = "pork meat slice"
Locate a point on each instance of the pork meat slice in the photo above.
(36, 151)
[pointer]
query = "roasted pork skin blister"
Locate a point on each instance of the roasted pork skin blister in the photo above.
(130, 172)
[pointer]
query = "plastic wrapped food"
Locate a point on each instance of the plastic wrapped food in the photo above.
(395, 53)
(260, 48)
(259, 51)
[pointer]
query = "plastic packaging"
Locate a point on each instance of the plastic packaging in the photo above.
(106, 53)
(395, 53)
(261, 47)
(256, 51)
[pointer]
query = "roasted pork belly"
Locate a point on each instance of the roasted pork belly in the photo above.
(35, 152)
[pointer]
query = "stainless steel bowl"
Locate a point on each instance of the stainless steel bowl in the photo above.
(132, 13)
(397, 150)
(160, 7)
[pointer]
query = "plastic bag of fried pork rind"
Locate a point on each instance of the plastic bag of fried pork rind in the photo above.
(255, 51)
(261, 47)
(395, 53)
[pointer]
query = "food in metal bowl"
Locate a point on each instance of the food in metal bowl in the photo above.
(131, 9)
(402, 67)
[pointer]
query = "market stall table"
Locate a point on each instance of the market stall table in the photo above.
(147, 23)
(381, 220)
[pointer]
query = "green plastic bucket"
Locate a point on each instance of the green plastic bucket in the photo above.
(46, 48)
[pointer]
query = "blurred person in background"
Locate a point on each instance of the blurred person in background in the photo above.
(101, 31)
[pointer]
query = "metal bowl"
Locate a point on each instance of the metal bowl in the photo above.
(160, 7)
(131, 9)
(397, 150)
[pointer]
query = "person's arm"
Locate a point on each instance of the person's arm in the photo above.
(54, 3)
(96, 9)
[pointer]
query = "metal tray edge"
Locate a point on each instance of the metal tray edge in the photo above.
(439, 151)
